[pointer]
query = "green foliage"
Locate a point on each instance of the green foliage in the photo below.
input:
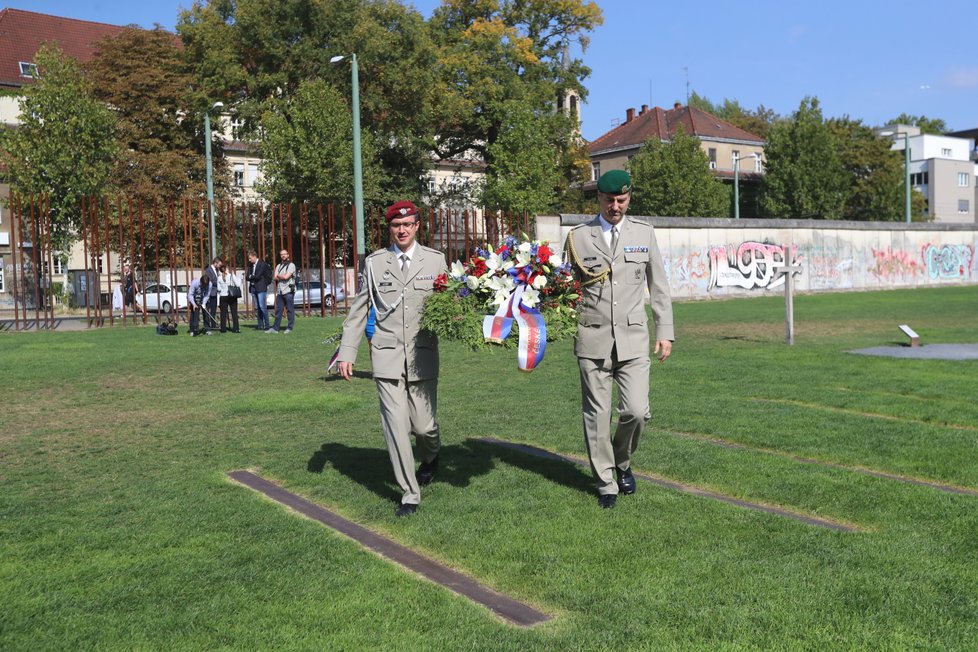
(307, 147)
(935, 126)
(876, 173)
(524, 176)
(64, 146)
(805, 175)
(141, 74)
(675, 179)
(253, 51)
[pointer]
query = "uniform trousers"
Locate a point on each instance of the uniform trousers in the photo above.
(408, 408)
(604, 451)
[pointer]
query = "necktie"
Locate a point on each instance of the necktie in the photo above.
(405, 261)
(614, 238)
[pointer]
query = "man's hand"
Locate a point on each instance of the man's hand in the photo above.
(345, 369)
(662, 349)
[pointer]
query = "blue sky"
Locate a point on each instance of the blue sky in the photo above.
(867, 59)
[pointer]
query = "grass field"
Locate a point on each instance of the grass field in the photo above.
(120, 530)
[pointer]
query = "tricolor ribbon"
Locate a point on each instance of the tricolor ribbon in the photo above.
(531, 324)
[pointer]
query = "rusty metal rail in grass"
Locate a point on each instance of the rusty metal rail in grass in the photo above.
(507, 608)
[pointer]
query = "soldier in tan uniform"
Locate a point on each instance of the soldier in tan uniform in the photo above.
(617, 260)
(404, 358)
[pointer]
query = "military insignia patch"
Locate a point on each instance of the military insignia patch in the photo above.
(633, 250)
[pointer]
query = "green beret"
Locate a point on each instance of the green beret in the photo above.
(615, 182)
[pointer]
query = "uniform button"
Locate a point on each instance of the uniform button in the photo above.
(615, 303)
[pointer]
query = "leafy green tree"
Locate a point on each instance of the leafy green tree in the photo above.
(307, 147)
(525, 175)
(142, 76)
(493, 54)
(927, 125)
(674, 179)
(64, 146)
(805, 175)
(876, 174)
(758, 121)
(251, 51)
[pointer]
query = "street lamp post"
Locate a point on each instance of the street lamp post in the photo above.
(906, 171)
(737, 182)
(210, 175)
(357, 161)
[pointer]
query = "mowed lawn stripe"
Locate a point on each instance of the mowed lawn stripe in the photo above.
(675, 485)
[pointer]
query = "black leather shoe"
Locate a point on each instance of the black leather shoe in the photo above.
(405, 509)
(626, 481)
(427, 471)
(607, 501)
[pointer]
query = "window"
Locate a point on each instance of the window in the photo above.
(2, 288)
(734, 157)
(962, 179)
(252, 175)
(595, 170)
(757, 163)
(919, 178)
(963, 206)
(237, 126)
(239, 171)
(945, 151)
(59, 265)
(28, 70)
(713, 158)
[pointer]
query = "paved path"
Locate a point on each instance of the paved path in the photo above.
(927, 352)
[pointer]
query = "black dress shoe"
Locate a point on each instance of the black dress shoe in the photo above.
(607, 501)
(427, 471)
(626, 481)
(405, 509)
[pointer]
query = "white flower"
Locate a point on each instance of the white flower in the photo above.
(539, 282)
(472, 282)
(555, 261)
(457, 270)
(525, 247)
(530, 298)
(493, 262)
(503, 283)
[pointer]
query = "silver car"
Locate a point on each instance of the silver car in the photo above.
(313, 293)
(159, 297)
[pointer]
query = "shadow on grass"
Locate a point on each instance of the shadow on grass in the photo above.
(459, 463)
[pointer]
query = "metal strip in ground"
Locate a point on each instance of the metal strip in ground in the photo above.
(685, 488)
(715, 441)
(513, 611)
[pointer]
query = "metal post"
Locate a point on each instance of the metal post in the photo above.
(357, 162)
(736, 188)
(210, 182)
(906, 174)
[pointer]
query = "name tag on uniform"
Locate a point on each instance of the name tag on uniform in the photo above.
(383, 285)
(429, 277)
(633, 250)
(587, 258)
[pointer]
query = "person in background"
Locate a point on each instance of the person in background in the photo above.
(284, 278)
(259, 278)
(196, 297)
(617, 260)
(210, 302)
(130, 289)
(226, 285)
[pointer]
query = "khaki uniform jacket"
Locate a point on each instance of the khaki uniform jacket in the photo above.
(399, 348)
(612, 312)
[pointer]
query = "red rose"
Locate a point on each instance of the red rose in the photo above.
(544, 254)
(441, 282)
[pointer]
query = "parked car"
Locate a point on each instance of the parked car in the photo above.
(158, 297)
(313, 293)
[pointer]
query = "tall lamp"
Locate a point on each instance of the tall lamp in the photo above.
(737, 161)
(357, 162)
(210, 175)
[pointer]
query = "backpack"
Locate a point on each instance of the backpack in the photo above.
(167, 327)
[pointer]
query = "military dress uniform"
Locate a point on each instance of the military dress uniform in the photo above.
(612, 342)
(404, 357)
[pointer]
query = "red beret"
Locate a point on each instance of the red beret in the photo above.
(402, 208)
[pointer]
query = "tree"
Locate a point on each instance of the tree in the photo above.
(876, 174)
(64, 146)
(525, 174)
(493, 55)
(142, 76)
(251, 51)
(927, 125)
(307, 147)
(674, 178)
(805, 175)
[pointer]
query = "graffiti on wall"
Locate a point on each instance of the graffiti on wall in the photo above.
(829, 268)
(889, 263)
(948, 261)
(750, 265)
